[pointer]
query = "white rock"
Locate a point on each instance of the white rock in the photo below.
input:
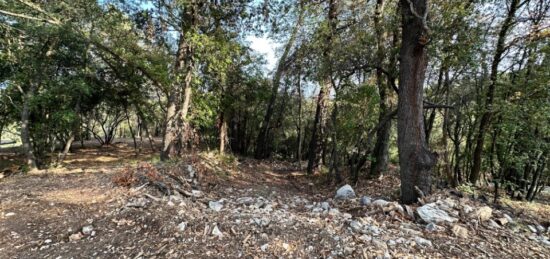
(325, 205)
(422, 241)
(264, 247)
(245, 200)
(532, 228)
(334, 212)
(47, 241)
(356, 226)
(87, 230)
(430, 213)
(345, 192)
(216, 232)
(380, 203)
(215, 205)
(182, 226)
(9, 214)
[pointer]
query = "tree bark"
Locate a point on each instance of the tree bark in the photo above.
(178, 100)
(25, 129)
(415, 159)
(380, 152)
(317, 135)
(487, 115)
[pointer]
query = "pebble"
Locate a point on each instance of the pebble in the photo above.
(215, 205)
(423, 241)
(87, 230)
(264, 247)
(182, 226)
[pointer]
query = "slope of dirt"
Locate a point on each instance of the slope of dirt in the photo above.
(246, 209)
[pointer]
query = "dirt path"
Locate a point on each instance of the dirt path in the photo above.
(250, 210)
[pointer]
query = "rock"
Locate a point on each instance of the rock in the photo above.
(47, 241)
(460, 231)
(365, 238)
(347, 216)
(356, 226)
(467, 209)
(379, 244)
(9, 214)
(317, 210)
(392, 242)
(216, 232)
(532, 228)
(423, 242)
(432, 227)
(493, 224)
(365, 200)
(431, 214)
(502, 221)
(215, 205)
(286, 246)
(540, 229)
(87, 230)
(245, 201)
(345, 192)
(182, 226)
(507, 217)
(334, 212)
(196, 193)
(380, 203)
(76, 236)
(484, 213)
(264, 247)
(325, 205)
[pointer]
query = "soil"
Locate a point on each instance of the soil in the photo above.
(44, 215)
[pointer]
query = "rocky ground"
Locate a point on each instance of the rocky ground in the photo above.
(212, 208)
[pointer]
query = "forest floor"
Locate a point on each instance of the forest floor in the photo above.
(245, 208)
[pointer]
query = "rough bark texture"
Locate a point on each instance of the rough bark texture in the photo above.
(487, 116)
(317, 135)
(415, 159)
(174, 137)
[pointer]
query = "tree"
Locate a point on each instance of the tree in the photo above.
(415, 159)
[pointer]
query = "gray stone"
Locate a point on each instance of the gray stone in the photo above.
(264, 247)
(325, 205)
(365, 200)
(245, 201)
(345, 192)
(422, 241)
(87, 230)
(356, 226)
(182, 226)
(215, 205)
(432, 227)
(430, 213)
(532, 228)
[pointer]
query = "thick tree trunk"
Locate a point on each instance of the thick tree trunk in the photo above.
(415, 159)
(262, 145)
(317, 135)
(487, 115)
(178, 106)
(25, 129)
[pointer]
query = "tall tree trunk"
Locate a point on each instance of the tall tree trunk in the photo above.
(178, 100)
(380, 152)
(300, 127)
(415, 159)
(262, 145)
(487, 115)
(317, 135)
(222, 125)
(25, 129)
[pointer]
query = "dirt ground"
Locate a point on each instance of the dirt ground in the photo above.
(270, 210)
